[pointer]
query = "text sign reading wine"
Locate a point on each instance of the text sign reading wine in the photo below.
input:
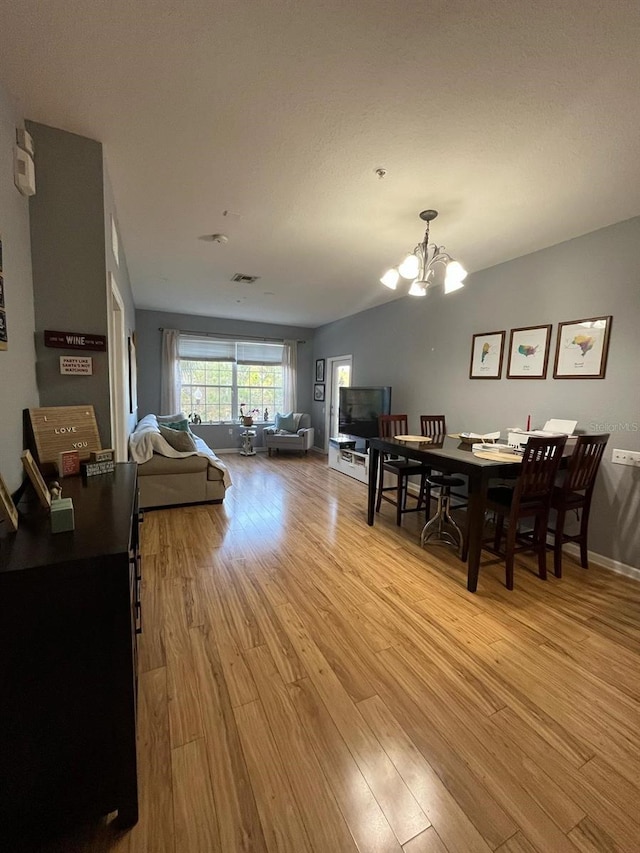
(75, 340)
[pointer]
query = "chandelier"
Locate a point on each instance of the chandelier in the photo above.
(419, 266)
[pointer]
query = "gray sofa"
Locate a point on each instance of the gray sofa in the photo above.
(300, 439)
(167, 477)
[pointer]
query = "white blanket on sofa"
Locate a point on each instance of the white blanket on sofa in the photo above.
(146, 440)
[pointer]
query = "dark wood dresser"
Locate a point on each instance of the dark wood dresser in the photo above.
(69, 616)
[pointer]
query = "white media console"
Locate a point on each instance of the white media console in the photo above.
(348, 461)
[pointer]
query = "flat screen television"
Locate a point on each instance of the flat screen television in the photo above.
(358, 410)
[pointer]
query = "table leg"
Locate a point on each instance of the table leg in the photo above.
(475, 526)
(374, 458)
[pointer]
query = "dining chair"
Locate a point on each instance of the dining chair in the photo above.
(530, 498)
(575, 493)
(388, 427)
(433, 426)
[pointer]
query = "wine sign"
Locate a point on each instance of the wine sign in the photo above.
(56, 429)
(75, 340)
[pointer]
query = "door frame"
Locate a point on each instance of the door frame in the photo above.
(331, 360)
(118, 388)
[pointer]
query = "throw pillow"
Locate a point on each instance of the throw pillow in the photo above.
(169, 419)
(286, 422)
(177, 439)
(180, 425)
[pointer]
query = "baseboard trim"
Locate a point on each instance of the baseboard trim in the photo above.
(604, 562)
(225, 450)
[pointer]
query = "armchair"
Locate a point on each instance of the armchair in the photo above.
(282, 437)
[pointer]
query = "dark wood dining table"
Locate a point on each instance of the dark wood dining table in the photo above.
(453, 457)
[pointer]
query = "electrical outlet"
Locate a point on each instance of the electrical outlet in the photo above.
(230, 432)
(626, 457)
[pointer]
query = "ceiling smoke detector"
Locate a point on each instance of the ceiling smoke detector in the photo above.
(215, 238)
(244, 279)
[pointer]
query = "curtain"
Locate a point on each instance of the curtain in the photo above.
(170, 373)
(289, 375)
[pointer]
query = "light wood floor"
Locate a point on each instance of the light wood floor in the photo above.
(308, 683)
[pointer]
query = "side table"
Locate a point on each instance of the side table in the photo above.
(247, 436)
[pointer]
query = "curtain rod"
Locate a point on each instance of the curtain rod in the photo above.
(233, 337)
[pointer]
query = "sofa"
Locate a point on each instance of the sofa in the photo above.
(168, 476)
(289, 432)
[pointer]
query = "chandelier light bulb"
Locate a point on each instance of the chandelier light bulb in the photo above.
(390, 278)
(454, 277)
(410, 267)
(417, 289)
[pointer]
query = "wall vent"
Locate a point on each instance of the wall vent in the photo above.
(245, 279)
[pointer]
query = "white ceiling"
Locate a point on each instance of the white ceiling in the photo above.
(517, 120)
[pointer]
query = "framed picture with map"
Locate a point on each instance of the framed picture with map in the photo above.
(529, 352)
(487, 349)
(582, 348)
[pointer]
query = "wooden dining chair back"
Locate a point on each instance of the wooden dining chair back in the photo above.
(531, 498)
(388, 427)
(433, 425)
(575, 493)
(392, 425)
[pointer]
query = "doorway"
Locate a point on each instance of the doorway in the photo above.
(117, 371)
(339, 375)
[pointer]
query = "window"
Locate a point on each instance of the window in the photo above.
(219, 376)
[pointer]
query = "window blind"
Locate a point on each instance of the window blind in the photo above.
(259, 353)
(206, 348)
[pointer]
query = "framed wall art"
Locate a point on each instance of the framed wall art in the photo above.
(529, 352)
(582, 348)
(39, 485)
(320, 370)
(487, 350)
(8, 511)
(318, 393)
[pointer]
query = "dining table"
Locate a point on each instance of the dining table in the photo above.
(452, 456)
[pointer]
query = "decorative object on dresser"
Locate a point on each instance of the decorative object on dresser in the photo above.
(55, 429)
(8, 511)
(68, 463)
(69, 616)
(34, 475)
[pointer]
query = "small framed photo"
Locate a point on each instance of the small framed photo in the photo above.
(8, 511)
(320, 370)
(33, 473)
(318, 392)
(487, 350)
(582, 348)
(529, 352)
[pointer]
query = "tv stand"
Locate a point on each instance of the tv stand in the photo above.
(349, 461)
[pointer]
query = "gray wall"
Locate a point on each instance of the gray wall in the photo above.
(149, 347)
(421, 347)
(18, 389)
(69, 264)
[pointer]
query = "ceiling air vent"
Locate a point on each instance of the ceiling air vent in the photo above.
(245, 279)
